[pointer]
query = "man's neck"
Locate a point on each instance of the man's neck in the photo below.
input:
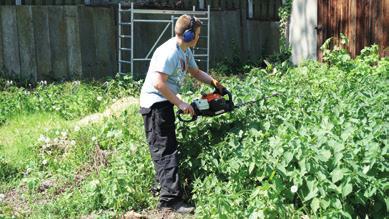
(181, 44)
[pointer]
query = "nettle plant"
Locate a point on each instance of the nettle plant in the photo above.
(318, 149)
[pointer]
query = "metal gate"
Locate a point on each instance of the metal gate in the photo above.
(125, 12)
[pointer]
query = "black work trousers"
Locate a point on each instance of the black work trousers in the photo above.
(161, 137)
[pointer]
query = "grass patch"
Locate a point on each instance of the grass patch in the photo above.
(19, 134)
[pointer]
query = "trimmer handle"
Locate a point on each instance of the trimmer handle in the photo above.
(179, 112)
(223, 92)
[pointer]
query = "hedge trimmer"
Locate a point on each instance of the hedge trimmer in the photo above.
(214, 104)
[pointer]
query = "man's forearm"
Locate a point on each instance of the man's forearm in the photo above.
(203, 77)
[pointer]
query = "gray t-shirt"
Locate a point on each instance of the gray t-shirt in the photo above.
(170, 59)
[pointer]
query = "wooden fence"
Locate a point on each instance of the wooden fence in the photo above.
(43, 2)
(364, 22)
(168, 4)
(57, 42)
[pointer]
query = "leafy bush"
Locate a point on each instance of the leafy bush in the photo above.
(317, 149)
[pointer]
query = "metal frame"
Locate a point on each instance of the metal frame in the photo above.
(174, 16)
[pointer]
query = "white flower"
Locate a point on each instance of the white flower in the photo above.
(293, 189)
(72, 142)
(77, 128)
(44, 162)
(133, 148)
(94, 138)
(99, 98)
(2, 197)
(47, 140)
(42, 138)
(28, 171)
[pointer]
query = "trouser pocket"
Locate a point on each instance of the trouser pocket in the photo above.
(167, 175)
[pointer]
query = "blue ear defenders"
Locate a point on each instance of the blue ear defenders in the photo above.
(189, 33)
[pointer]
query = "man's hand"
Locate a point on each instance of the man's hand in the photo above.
(218, 85)
(186, 108)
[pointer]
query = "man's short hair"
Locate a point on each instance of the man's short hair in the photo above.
(183, 23)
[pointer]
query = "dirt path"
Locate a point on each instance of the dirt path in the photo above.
(114, 110)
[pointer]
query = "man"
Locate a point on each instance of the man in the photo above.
(168, 67)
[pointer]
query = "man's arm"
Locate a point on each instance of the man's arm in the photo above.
(201, 76)
(161, 86)
(205, 78)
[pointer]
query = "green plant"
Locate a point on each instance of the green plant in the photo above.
(317, 150)
(7, 170)
(284, 13)
(70, 100)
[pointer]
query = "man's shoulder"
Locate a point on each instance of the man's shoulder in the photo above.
(168, 48)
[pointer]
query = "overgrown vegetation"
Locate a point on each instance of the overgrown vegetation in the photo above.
(69, 100)
(318, 149)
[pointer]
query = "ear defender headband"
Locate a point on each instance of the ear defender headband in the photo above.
(189, 33)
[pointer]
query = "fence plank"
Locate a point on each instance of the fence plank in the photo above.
(73, 42)
(103, 26)
(385, 29)
(352, 26)
(26, 43)
(87, 38)
(57, 31)
(42, 42)
(10, 41)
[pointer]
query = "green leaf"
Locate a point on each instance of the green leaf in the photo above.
(324, 155)
(311, 194)
(370, 191)
(251, 167)
(288, 157)
(338, 204)
(347, 132)
(312, 190)
(315, 204)
(324, 204)
(337, 175)
(347, 189)
(387, 203)
(257, 215)
(336, 146)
